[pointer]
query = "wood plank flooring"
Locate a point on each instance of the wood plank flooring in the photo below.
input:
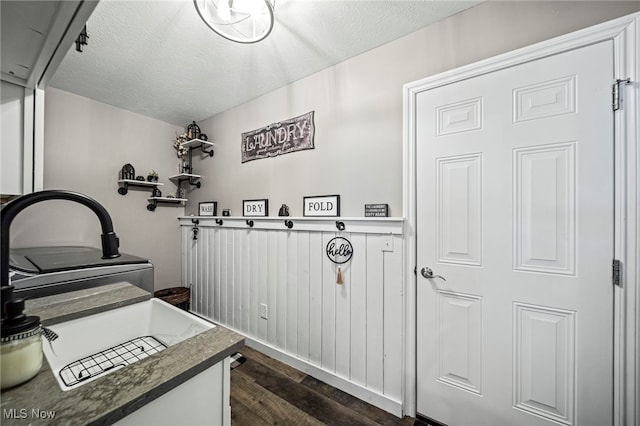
(265, 391)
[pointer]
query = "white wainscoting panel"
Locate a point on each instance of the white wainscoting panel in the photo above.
(278, 287)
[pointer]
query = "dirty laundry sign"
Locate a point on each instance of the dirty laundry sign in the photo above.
(295, 134)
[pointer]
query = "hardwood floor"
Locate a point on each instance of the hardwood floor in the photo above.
(265, 391)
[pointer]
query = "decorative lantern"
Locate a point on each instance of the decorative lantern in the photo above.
(193, 131)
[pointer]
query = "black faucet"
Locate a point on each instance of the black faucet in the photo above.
(110, 241)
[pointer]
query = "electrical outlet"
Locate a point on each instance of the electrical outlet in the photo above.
(387, 243)
(264, 311)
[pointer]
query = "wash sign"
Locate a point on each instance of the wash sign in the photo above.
(295, 134)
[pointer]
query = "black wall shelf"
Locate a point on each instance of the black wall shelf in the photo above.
(185, 176)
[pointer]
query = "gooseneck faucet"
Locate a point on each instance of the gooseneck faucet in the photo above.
(110, 241)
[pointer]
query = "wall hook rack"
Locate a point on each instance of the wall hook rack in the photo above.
(250, 223)
(340, 225)
(288, 224)
(219, 222)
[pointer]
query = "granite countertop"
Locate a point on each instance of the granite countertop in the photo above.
(77, 304)
(109, 398)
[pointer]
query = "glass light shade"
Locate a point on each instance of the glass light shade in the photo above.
(242, 21)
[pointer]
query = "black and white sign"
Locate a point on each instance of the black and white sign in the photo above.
(255, 207)
(339, 250)
(321, 205)
(209, 208)
(294, 134)
(376, 210)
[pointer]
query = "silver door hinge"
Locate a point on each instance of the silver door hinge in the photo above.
(615, 93)
(616, 271)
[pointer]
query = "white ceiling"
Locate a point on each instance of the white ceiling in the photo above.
(157, 58)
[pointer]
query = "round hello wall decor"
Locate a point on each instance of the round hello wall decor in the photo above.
(340, 251)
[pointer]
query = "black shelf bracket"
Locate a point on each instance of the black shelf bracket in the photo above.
(202, 148)
(193, 182)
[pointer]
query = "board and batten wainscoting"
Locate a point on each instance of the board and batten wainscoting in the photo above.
(349, 335)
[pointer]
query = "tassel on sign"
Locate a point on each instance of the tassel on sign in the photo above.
(339, 279)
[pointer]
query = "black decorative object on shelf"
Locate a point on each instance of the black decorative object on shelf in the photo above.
(127, 172)
(186, 168)
(284, 210)
(140, 178)
(226, 212)
(193, 131)
(203, 137)
(156, 192)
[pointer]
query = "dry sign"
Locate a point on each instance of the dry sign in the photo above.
(295, 134)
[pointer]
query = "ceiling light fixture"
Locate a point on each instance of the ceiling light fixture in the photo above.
(242, 21)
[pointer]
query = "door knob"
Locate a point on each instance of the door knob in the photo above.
(428, 273)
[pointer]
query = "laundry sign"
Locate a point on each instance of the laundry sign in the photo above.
(294, 134)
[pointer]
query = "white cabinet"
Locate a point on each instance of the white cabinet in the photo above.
(201, 400)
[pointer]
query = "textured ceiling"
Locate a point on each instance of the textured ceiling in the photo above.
(157, 58)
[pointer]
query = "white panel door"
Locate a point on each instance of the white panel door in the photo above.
(515, 211)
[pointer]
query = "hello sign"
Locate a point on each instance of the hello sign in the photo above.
(294, 134)
(339, 250)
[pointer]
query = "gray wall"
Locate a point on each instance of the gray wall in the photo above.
(86, 144)
(358, 153)
(358, 109)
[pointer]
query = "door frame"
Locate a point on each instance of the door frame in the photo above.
(625, 34)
